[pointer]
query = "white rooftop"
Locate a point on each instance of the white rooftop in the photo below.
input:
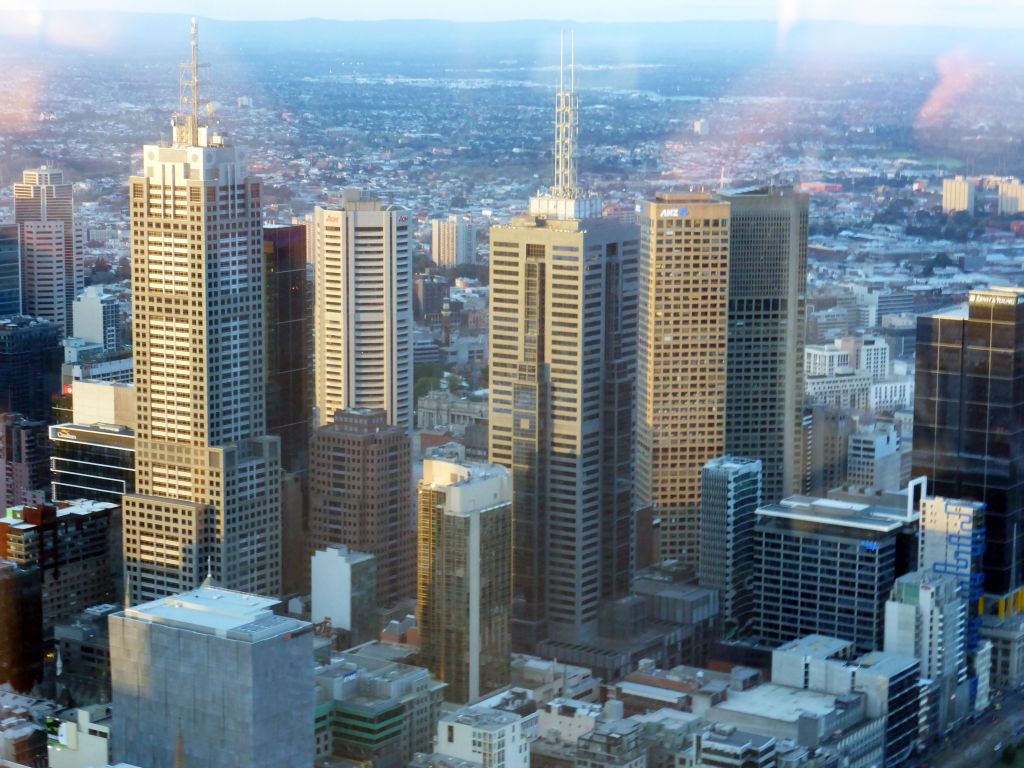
(778, 702)
(221, 612)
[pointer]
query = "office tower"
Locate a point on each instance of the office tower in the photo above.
(926, 618)
(958, 195)
(562, 359)
(681, 360)
(72, 544)
(363, 308)
(867, 353)
(816, 549)
(873, 458)
(361, 495)
(1011, 197)
(93, 453)
(969, 420)
(207, 487)
(730, 495)
(53, 272)
(211, 677)
(10, 271)
(453, 241)
(464, 585)
(345, 592)
(288, 333)
(30, 359)
(767, 287)
(24, 460)
(21, 626)
(97, 318)
(429, 295)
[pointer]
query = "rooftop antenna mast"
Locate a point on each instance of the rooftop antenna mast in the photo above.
(566, 125)
(187, 126)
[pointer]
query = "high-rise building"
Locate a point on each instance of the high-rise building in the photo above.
(818, 549)
(96, 317)
(730, 495)
(873, 458)
(767, 315)
(480, 734)
(361, 495)
(24, 460)
(363, 308)
(289, 337)
(453, 241)
(969, 419)
(681, 360)
(958, 195)
(211, 677)
(53, 271)
(207, 488)
(21, 626)
(464, 585)
(926, 618)
(867, 353)
(345, 592)
(562, 361)
(72, 544)
(10, 271)
(30, 360)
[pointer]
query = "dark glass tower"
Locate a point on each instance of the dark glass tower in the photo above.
(10, 271)
(969, 419)
(289, 317)
(30, 360)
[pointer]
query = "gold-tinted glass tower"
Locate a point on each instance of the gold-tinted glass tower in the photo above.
(681, 360)
(563, 351)
(208, 492)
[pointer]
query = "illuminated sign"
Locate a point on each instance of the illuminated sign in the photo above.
(870, 546)
(63, 434)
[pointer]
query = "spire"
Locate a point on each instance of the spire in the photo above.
(186, 120)
(566, 126)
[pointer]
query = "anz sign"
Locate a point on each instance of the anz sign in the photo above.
(673, 213)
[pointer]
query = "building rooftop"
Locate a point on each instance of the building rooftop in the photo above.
(74, 509)
(727, 734)
(216, 611)
(482, 718)
(779, 702)
(847, 514)
(817, 646)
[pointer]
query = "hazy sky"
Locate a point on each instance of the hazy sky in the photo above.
(983, 13)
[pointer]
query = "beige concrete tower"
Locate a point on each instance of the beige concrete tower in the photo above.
(53, 272)
(208, 485)
(681, 359)
(563, 346)
(363, 309)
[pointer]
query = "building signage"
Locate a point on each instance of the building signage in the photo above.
(672, 213)
(997, 299)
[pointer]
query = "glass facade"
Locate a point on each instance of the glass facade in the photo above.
(288, 339)
(969, 420)
(10, 272)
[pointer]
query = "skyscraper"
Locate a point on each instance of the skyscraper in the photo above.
(452, 241)
(767, 286)
(681, 359)
(30, 360)
(21, 626)
(562, 342)
(10, 271)
(363, 308)
(208, 493)
(730, 495)
(464, 584)
(53, 272)
(289, 319)
(97, 318)
(969, 419)
(361, 495)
